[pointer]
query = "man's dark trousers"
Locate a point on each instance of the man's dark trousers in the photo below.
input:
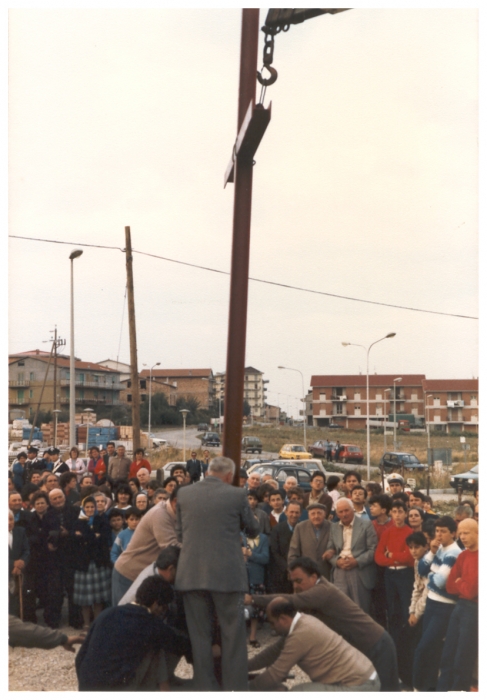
(428, 652)
(399, 587)
(384, 658)
(461, 647)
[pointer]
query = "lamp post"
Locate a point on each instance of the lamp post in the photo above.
(291, 369)
(185, 412)
(429, 442)
(72, 381)
(386, 391)
(394, 381)
(150, 398)
(367, 420)
(88, 412)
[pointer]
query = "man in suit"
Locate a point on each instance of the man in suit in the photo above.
(193, 467)
(310, 538)
(211, 572)
(331, 663)
(350, 550)
(317, 493)
(279, 548)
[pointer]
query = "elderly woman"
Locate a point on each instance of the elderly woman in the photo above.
(142, 502)
(92, 576)
(75, 463)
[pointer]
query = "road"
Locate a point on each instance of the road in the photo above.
(175, 437)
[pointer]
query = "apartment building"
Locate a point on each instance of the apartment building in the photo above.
(342, 399)
(96, 385)
(446, 404)
(452, 404)
(183, 383)
(254, 390)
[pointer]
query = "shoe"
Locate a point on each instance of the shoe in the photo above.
(254, 643)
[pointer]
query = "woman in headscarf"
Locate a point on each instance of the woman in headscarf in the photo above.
(92, 576)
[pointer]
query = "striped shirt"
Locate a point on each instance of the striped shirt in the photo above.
(437, 568)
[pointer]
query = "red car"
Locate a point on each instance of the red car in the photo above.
(349, 454)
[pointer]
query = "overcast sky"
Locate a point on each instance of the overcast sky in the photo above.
(365, 186)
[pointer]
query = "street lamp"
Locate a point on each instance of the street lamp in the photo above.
(427, 411)
(367, 420)
(291, 369)
(394, 381)
(150, 398)
(185, 412)
(386, 391)
(72, 381)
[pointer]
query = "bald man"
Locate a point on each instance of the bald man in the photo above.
(331, 663)
(460, 650)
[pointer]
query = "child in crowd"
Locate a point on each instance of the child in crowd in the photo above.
(418, 547)
(123, 538)
(117, 522)
(436, 566)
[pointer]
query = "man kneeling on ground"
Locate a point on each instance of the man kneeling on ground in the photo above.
(331, 663)
(125, 647)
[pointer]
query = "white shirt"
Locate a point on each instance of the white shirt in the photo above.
(293, 624)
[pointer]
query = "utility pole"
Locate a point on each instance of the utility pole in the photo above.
(133, 343)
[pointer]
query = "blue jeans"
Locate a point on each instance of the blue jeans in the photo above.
(427, 656)
(460, 649)
(399, 588)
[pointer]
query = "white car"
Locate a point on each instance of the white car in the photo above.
(165, 471)
(157, 442)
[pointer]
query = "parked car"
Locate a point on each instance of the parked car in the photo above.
(210, 439)
(165, 471)
(280, 473)
(469, 481)
(397, 461)
(251, 444)
(157, 442)
(249, 463)
(294, 452)
(202, 427)
(318, 448)
(311, 465)
(349, 454)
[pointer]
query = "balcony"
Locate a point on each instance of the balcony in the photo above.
(95, 385)
(338, 397)
(19, 382)
(18, 402)
(86, 402)
(457, 403)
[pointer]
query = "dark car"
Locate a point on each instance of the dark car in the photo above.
(318, 448)
(397, 461)
(202, 427)
(249, 463)
(210, 440)
(251, 444)
(468, 481)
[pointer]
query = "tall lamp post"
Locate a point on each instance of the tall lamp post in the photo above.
(394, 381)
(427, 411)
(291, 369)
(72, 380)
(185, 412)
(386, 391)
(367, 419)
(150, 399)
(56, 412)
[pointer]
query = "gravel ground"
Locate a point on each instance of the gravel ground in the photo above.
(32, 669)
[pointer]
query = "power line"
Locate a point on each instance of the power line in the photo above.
(254, 279)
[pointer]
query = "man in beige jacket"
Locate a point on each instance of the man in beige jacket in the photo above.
(331, 663)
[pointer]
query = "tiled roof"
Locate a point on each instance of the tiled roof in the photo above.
(451, 384)
(351, 380)
(197, 373)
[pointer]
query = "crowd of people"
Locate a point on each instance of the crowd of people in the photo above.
(364, 589)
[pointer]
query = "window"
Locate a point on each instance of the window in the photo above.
(143, 384)
(129, 397)
(32, 376)
(20, 376)
(31, 394)
(21, 363)
(356, 396)
(303, 476)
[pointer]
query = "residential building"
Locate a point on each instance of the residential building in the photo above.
(342, 399)
(96, 385)
(183, 383)
(254, 390)
(452, 404)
